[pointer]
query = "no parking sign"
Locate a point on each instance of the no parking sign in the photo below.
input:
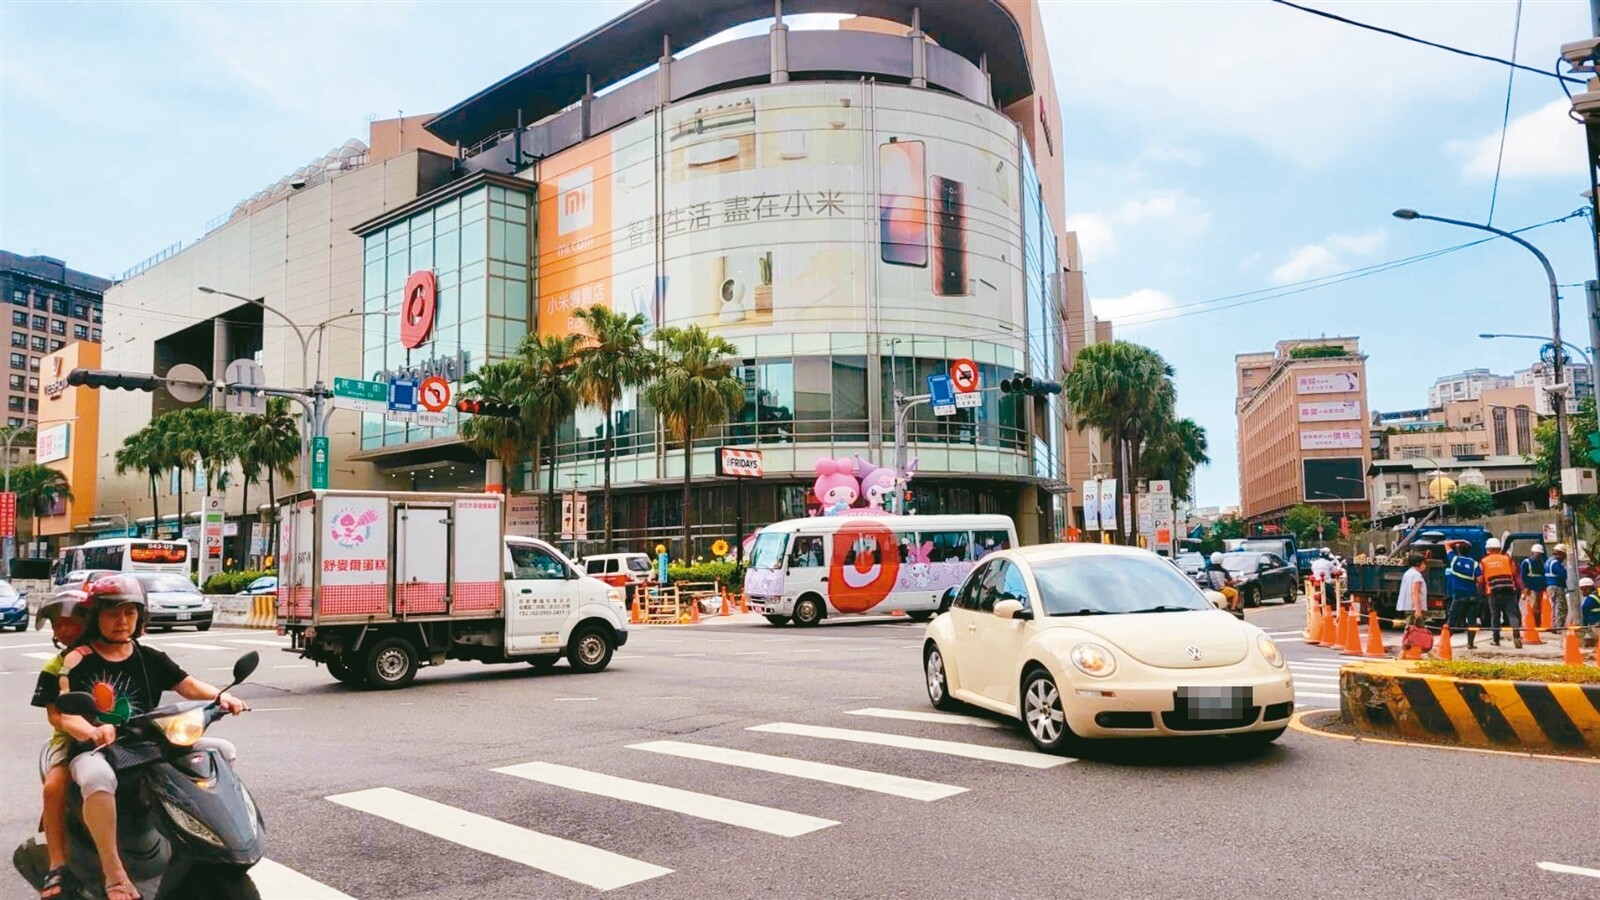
(964, 376)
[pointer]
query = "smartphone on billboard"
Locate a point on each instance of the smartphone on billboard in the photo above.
(949, 237)
(902, 205)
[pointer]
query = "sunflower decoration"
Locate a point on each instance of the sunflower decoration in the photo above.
(113, 706)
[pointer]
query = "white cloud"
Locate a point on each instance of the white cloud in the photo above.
(1152, 206)
(1139, 304)
(1094, 236)
(1328, 257)
(1541, 143)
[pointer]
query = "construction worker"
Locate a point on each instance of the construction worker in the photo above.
(1589, 608)
(1555, 579)
(1322, 575)
(1533, 580)
(1464, 611)
(1502, 584)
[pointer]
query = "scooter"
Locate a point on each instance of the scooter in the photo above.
(186, 826)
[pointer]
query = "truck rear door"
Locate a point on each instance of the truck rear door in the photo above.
(422, 558)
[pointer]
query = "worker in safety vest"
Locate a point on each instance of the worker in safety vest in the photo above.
(1503, 585)
(1533, 580)
(1464, 603)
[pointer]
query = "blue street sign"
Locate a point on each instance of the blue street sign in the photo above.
(943, 395)
(403, 395)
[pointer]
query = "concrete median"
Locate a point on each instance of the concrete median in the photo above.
(244, 610)
(1388, 699)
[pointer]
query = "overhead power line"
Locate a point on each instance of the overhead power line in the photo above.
(1426, 43)
(1505, 117)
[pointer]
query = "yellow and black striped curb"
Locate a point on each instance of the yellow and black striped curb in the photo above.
(1388, 699)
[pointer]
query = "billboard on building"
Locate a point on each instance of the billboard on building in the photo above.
(54, 442)
(1333, 439)
(783, 205)
(1331, 411)
(1334, 478)
(1327, 383)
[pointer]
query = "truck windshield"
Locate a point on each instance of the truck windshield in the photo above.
(638, 564)
(768, 551)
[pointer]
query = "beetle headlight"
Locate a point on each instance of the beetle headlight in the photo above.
(1093, 659)
(183, 729)
(1269, 650)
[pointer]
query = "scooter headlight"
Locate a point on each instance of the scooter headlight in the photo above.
(183, 729)
(183, 819)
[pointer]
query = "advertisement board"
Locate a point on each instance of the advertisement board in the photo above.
(53, 443)
(1091, 505)
(1333, 439)
(1331, 411)
(1108, 504)
(756, 201)
(1327, 383)
(1334, 478)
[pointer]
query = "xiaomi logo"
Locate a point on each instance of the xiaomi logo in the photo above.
(575, 194)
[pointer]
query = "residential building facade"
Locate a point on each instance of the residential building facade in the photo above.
(50, 306)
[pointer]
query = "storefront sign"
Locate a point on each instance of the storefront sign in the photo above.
(1328, 383)
(1337, 439)
(53, 442)
(8, 514)
(418, 308)
(450, 368)
(1331, 411)
(739, 463)
(522, 515)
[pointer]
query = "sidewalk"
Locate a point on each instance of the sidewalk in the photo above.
(1549, 652)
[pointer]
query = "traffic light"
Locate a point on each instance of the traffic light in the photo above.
(489, 408)
(1019, 383)
(126, 381)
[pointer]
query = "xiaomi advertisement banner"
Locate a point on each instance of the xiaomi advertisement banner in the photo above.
(786, 205)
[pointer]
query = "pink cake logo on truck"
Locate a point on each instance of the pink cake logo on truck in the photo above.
(352, 528)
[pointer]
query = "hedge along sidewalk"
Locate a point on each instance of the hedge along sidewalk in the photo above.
(1395, 699)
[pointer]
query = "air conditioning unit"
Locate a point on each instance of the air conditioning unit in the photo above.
(1578, 482)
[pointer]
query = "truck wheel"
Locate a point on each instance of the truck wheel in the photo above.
(774, 620)
(808, 611)
(390, 664)
(590, 649)
(343, 673)
(543, 663)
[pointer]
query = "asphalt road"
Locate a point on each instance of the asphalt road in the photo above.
(501, 782)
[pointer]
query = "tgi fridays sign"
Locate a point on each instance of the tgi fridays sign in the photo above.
(739, 463)
(1331, 411)
(1336, 439)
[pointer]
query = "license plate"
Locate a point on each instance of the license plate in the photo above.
(1214, 702)
(184, 617)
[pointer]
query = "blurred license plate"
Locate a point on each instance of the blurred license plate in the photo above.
(184, 617)
(1214, 702)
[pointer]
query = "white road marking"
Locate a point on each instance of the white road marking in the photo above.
(950, 748)
(1278, 634)
(182, 646)
(276, 881)
(283, 643)
(1287, 639)
(1569, 870)
(809, 651)
(571, 860)
(910, 715)
(883, 783)
(274, 708)
(45, 656)
(23, 646)
(294, 666)
(1317, 695)
(750, 653)
(574, 699)
(686, 655)
(690, 803)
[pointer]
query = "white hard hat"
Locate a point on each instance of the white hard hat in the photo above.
(1537, 548)
(1585, 582)
(1492, 544)
(1559, 548)
(1216, 559)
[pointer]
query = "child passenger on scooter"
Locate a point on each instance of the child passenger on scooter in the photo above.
(66, 614)
(126, 679)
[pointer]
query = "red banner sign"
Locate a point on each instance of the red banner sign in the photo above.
(8, 514)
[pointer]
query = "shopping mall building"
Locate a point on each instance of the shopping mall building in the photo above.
(853, 208)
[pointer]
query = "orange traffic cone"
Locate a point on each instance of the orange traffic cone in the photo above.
(636, 614)
(1352, 633)
(694, 611)
(1571, 652)
(1313, 632)
(1530, 632)
(727, 608)
(744, 602)
(1442, 649)
(1330, 633)
(1546, 617)
(1374, 637)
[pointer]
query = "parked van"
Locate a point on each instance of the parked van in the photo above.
(805, 570)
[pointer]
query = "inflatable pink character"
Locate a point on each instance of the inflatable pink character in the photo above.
(836, 486)
(878, 483)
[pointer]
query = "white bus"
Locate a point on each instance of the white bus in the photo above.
(805, 570)
(123, 555)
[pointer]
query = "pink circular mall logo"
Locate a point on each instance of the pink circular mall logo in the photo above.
(417, 309)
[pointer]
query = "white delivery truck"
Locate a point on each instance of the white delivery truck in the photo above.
(375, 584)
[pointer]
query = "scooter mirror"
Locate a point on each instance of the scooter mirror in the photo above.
(78, 703)
(246, 664)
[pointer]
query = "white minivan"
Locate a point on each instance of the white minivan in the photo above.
(805, 570)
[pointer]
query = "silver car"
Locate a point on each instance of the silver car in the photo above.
(175, 602)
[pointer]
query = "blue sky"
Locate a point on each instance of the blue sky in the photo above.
(1212, 149)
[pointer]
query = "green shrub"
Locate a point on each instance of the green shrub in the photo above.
(1510, 671)
(716, 570)
(232, 582)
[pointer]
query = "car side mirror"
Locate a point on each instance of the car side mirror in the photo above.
(78, 703)
(1012, 609)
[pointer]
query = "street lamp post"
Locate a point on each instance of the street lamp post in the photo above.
(1558, 400)
(1588, 360)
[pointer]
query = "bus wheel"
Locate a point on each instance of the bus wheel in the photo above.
(921, 616)
(808, 611)
(778, 620)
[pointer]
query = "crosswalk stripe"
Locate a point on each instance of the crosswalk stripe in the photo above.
(881, 782)
(950, 748)
(1315, 694)
(275, 881)
(183, 646)
(258, 643)
(780, 822)
(919, 716)
(40, 655)
(600, 869)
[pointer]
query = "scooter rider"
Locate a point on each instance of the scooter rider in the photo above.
(126, 678)
(1218, 579)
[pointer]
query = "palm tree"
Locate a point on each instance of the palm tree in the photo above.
(38, 488)
(550, 395)
(505, 439)
(613, 359)
(1173, 453)
(1125, 390)
(694, 391)
(271, 442)
(141, 451)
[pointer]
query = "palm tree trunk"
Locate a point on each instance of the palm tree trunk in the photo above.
(245, 519)
(688, 474)
(550, 494)
(606, 494)
(1119, 472)
(155, 505)
(181, 473)
(272, 493)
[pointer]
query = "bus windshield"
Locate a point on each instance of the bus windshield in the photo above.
(768, 551)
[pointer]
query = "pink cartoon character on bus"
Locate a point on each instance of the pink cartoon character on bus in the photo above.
(836, 487)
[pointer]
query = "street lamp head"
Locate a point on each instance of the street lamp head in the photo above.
(1488, 337)
(1405, 214)
(206, 290)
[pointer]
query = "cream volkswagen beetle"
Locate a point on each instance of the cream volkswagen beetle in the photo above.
(1091, 640)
